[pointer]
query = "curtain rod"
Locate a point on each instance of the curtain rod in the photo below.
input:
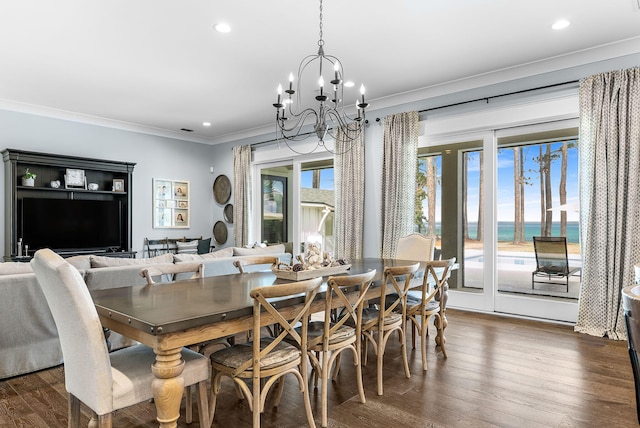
(486, 99)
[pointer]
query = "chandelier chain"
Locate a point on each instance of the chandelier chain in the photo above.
(320, 42)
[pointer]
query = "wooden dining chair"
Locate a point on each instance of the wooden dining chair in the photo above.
(171, 271)
(103, 381)
(256, 366)
(339, 331)
(242, 263)
(379, 323)
(429, 304)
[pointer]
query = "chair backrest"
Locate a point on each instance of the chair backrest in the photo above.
(156, 247)
(309, 289)
(398, 278)
(349, 309)
(415, 247)
(87, 368)
(551, 254)
(441, 279)
(243, 262)
(172, 271)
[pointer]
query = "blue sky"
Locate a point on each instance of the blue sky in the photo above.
(505, 196)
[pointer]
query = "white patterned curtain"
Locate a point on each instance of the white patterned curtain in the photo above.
(398, 178)
(349, 188)
(241, 194)
(609, 197)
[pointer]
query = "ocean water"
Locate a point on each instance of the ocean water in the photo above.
(531, 229)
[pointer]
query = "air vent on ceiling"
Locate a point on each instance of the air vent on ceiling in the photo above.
(186, 130)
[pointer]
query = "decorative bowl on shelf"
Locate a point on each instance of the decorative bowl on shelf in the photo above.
(93, 186)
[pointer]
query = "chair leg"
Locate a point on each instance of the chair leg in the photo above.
(105, 421)
(203, 407)
(188, 391)
(423, 342)
(324, 372)
(403, 348)
(336, 366)
(305, 391)
(379, 360)
(413, 334)
(74, 412)
(356, 361)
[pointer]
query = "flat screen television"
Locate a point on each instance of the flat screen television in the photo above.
(71, 224)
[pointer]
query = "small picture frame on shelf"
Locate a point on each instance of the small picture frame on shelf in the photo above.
(118, 185)
(183, 204)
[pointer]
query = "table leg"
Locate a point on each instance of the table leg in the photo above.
(168, 386)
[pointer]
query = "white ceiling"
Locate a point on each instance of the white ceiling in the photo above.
(159, 66)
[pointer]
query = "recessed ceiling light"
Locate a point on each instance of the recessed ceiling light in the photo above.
(349, 84)
(206, 123)
(222, 27)
(560, 24)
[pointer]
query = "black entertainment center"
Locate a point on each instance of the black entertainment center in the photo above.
(87, 213)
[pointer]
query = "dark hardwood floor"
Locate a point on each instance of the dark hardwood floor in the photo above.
(501, 372)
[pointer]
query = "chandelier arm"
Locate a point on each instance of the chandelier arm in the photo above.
(298, 126)
(300, 119)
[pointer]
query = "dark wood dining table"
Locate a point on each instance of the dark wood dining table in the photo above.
(170, 316)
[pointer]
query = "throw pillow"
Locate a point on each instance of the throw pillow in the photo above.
(103, 261)
(204, 246)
(190, 247)
(80, 262)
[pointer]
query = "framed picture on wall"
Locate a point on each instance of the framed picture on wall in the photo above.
(171, 204)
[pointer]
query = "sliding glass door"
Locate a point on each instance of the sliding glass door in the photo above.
(297, 201)
(498, 191)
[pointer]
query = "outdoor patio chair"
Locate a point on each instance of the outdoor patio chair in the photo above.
(552, 261)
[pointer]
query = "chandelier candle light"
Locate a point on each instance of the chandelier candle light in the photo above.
(324, 116)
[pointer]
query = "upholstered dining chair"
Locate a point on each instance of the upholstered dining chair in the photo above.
(426, 303)
(103, 381)
(256, 366)
(172, 271)
(415, 247)
(340, 331)
(379, 323)
(242, 263)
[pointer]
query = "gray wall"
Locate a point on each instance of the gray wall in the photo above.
(156, 157)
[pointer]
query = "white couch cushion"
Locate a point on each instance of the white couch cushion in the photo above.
(11, 268)
(271, 249)
(225, 252)
(102, 261)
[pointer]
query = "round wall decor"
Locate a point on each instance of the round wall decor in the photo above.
(220, 232)
(228, 213)
(222, 189)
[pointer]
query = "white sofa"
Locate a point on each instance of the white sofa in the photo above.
(28, 335)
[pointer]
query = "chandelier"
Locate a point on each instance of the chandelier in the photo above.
(325, 113)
